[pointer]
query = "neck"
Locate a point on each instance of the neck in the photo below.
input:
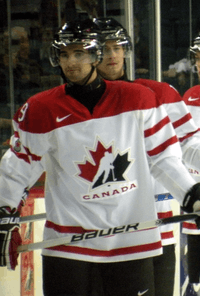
(112, 76)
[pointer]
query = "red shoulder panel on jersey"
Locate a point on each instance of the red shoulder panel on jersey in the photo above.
(53, 109)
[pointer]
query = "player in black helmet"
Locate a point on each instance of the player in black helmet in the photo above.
(83, 38)
(85, 34)
(118, 42)
(117, 46)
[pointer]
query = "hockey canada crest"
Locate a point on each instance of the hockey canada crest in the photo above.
(105, 170)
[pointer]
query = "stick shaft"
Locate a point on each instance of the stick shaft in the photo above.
(32, 218)
(107, 232)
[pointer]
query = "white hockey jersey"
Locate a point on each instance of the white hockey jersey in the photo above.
(98, 167)
(185, 128)
(192, 99)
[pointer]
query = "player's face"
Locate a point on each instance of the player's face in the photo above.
(113, 61)
(75, 62)
(197, 62)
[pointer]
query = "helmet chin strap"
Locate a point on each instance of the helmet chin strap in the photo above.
(70, 83)
(125, 70)
(89, 75)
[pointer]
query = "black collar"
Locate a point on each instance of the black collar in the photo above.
(77, 89)
(88, 95)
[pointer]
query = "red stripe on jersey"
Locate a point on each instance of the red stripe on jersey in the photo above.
(24, 156)
(166, 235)
(188, 135)
(189, 225)
(165, 214)
(109, 253)
(33, 156)
(149, 132)
(66, 229)
(21, 155)
(163, 146)
(182, 120)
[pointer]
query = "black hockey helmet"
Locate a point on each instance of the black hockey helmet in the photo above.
(194, 49)
(84, 32)
(113, 30)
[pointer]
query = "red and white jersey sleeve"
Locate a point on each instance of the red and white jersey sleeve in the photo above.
(192, 99)
(186, 131)
(164, 210)
(98, 167)
(182, 118)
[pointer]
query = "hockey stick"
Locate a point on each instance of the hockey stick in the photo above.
(32, 218)
(113, 175)
(106, 232)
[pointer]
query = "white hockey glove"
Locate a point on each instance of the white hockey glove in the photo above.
(10, 238)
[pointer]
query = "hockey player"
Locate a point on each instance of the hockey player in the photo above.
(70, 128)
(117, 47)
(192, 99)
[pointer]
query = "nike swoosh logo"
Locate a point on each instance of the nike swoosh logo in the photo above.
(59, 119)
(142, 293)
(192, 99)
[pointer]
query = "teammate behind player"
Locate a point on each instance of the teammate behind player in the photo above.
(192, 99)
(113, 67)
(117, 45)
(71, 128)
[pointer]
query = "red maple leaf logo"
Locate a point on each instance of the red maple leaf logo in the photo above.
(89, 170)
